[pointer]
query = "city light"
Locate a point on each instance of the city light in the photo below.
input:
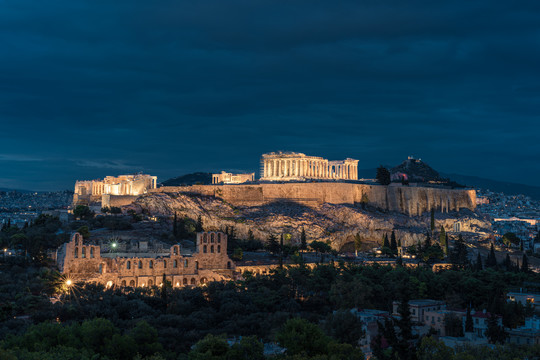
(68, 282)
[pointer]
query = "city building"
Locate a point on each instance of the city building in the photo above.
(419, 308)
(291, 166)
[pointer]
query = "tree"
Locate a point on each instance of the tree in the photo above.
(525, 264)
(510, 238)
(427, 243)
(393, 242)
(210, 348)
(442, 239)
(300, 337)
(446, 245)
(479, 266)
(175, 225)
(491, 259)
(431, 349)
(459, 255)
(303, 240)
(84, 231)
(469, 326)
(83, 212)
(495, 332)
(248, 348)
(383, 176)
(432, 220)
(272, 244)
(386, 244)
(199, 227)
(508, 263)
(343, 327)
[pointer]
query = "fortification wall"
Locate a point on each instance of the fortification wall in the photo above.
(117, 200)
(407, 200)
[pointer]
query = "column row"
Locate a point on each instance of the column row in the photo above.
(308, 168)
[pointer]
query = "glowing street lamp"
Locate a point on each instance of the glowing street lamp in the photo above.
(68, 282)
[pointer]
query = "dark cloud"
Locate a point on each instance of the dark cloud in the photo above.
(92, 88)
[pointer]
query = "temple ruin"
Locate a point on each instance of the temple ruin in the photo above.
(229, 178)
(100, 191)
(291, 166)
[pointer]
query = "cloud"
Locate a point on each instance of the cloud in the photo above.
(106, 164)
(19, 158)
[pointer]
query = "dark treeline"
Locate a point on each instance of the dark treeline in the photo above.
(165, 322)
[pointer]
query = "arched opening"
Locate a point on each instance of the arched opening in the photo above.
(109, 284)
(196, 265)
(205, 249)
(123, 282)
(212, 237)
(192, 281)
(184, 282)
(219, 238)
(76, 253)
(205, 238)
(140, 264)
(212, 249)
(83, 252)
(228, 264)
(175, 250)
(164, 264)
(219, 249)
(203, 280)
(132, 283)
(186, 263)
(101, 268)
(150, 283)
(128, 265)
(91, 252)
(175, 264)
(151, 264)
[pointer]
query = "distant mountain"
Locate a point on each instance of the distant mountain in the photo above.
(415, 170)
(508, 188)
(198, 178)
(17, 190)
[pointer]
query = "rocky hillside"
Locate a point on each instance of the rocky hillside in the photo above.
(337, 223)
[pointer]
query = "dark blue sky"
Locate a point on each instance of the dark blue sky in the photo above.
(92, 88)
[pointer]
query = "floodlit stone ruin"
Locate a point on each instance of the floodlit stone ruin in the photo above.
(291, 166)
(229, 178)
(84, 262)
(95, 191)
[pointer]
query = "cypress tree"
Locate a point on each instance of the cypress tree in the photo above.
(428, 241)
(393, 243)
(508, 263)
(469, 327)
(175, 225)
(273, 245)
(442, 239)
(521, 245)
(525, 264)
(199, 227)
(479, 266)
(446, 244)
(385, 241)
(491, 259)
(303, 240)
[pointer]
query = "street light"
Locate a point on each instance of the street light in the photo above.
(68, 282)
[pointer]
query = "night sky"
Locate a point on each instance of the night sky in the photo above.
(92, 88)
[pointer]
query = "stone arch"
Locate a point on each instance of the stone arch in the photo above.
(150, 283)
(228, 264)
(184, 281)
(212, 237)
(175, 250)
(140, 264)
(83, 252)
(193, 281)
(76, 252)
(132, 283)
(175, 264)
(101, 268)
(151, 264)
(212, 249)
(91, 252)
(196, 265)
(219, 249)
(205, 249)
(205, 237)
(123, 283)
(128, 265)
(109, 284)
(203, 280)
(164, 264)
(219, 238)
(186, 263)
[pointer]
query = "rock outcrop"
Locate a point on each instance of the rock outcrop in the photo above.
(333, 222)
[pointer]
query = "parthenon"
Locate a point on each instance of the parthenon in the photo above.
(290, 166)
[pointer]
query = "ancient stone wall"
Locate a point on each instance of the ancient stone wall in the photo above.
(82, 262)
(117, 200)
(412, 201)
